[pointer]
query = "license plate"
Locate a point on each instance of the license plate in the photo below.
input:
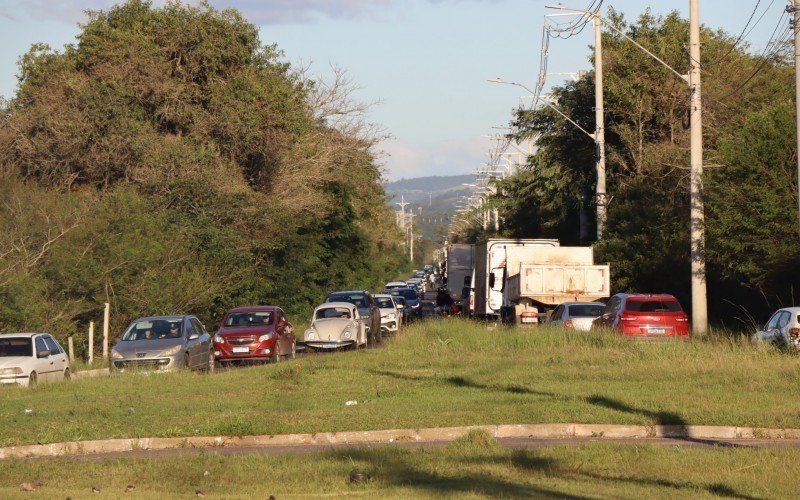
(240, 350)
(330, 346)
(530, 320)
(656, 330)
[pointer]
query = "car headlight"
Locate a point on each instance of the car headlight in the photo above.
(390, 316)
(115, 354)
(347, 334)
(11, 371)
(172, 350)
(266, 336)
(218, 339)
(310, 334)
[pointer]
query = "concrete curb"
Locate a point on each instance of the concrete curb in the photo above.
(99, 372)
(439, 434)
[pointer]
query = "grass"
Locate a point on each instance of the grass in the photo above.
(440, 373)
(472, 467)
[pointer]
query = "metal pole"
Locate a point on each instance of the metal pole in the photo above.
(106, 321)
(91, 342)
(411, 235)
(600, 131)
(796, 8)
(697, 222)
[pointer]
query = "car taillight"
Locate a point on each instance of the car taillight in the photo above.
(682, 318)
(626, 317)
(794, 332)
(568, 325)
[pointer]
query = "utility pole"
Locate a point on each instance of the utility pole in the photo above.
(403, 203)
(696, 212)
(411, 235)
(795, 25)
(600, 127)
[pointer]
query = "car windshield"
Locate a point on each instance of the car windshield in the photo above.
(333, 312)
(357, 299)
(154, 330)
(384, 302)
(409, 294)
(261, 318)
(653, 306)
(16, 347)
(585, 310)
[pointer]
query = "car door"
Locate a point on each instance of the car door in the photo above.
(556, 316)
(59, 361)
(782, 335)
(362, 330)
(203, 342)
(769, 331)
(42, 366)
(191, 344)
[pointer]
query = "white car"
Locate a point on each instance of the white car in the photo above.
(391, 317)
(395, 284)
(576, 315)
(29, 358)
(336, 325)
(783, 328)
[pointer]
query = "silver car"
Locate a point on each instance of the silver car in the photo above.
(391, 317)
(782, 328)
(336, 325)
(160, 343)
(576, 315)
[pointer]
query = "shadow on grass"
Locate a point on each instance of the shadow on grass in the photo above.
(397, 468)
(718, 489)
(458, 381)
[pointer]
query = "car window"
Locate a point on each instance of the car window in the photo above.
(612, 305)
(52, 345)
(40, 345)
(585, 310)
(556, 315)
(645, 306)
(190, 329)
(153, 329)
(333, 312)
(783, 319)
(198, 327)
(21, 346)
(260, 318)
(384, 302)
(773, 321)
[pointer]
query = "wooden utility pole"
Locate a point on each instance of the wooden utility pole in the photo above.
(696, 212)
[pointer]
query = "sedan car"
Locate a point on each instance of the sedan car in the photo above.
(160, 343)
(367, 310)
(782, 328)
(411, 297)
(336, 325)
(391, 317)
(29, 358)
(576, 315)
(644, 316)
(254, 333)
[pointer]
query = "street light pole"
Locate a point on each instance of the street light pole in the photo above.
(600, 131)
(696, 212)
(795, 26)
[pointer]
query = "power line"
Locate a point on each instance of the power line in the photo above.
(741, 35)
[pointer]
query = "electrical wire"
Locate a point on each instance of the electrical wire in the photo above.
(741, 35)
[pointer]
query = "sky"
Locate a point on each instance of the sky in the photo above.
(425, 62)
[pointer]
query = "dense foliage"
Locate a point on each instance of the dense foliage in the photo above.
(752, 247)
(169, 162)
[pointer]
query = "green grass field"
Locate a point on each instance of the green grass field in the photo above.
(473, 466)
(441, 373)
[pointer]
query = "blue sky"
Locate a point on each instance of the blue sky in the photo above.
(427, 61)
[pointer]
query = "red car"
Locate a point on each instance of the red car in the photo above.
(644, 316)
(254, 333)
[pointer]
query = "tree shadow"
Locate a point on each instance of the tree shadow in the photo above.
(718, 489)
(459, 381)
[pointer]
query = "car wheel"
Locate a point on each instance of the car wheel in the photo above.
(33, 379)
(67, 374)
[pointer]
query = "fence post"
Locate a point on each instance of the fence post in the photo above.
(91, 342)
(106, 317)
(70, 349)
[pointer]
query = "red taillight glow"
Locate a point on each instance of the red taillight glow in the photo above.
(682, 318)
(794, 332)
(568, 325)
(627, 318)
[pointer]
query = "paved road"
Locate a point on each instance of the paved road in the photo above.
(514, 443)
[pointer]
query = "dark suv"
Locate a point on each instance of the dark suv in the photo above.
(641, 315)
(367, 308)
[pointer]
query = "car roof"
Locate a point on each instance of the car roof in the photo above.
(172, 317)
(584, 303)
(662, 296)
(347, 291)
(795, 309)
(22, 334)
(336, 304)
(244, 309)
(383, 296)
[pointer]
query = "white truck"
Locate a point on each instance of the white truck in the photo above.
(518, 281)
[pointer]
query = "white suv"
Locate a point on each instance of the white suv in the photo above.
(29, 358)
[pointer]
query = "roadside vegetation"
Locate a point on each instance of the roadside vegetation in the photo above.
(169, 162)
(474, 466)
(435, 374)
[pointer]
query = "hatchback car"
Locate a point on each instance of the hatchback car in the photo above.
(644, 316)
(29, 358)
(782, 328)
(161, 343)
(576, 315)
(367, 309)
(336, 325)
(411, 298)
(391, 317)
(254, 333)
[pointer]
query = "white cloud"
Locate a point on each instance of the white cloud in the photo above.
(450, 157)
(255, 11)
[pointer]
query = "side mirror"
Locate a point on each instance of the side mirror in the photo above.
(44, 353)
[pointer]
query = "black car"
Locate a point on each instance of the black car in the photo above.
(367, 308)
(411, 297)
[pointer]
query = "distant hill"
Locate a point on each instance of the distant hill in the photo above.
(433, 198)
